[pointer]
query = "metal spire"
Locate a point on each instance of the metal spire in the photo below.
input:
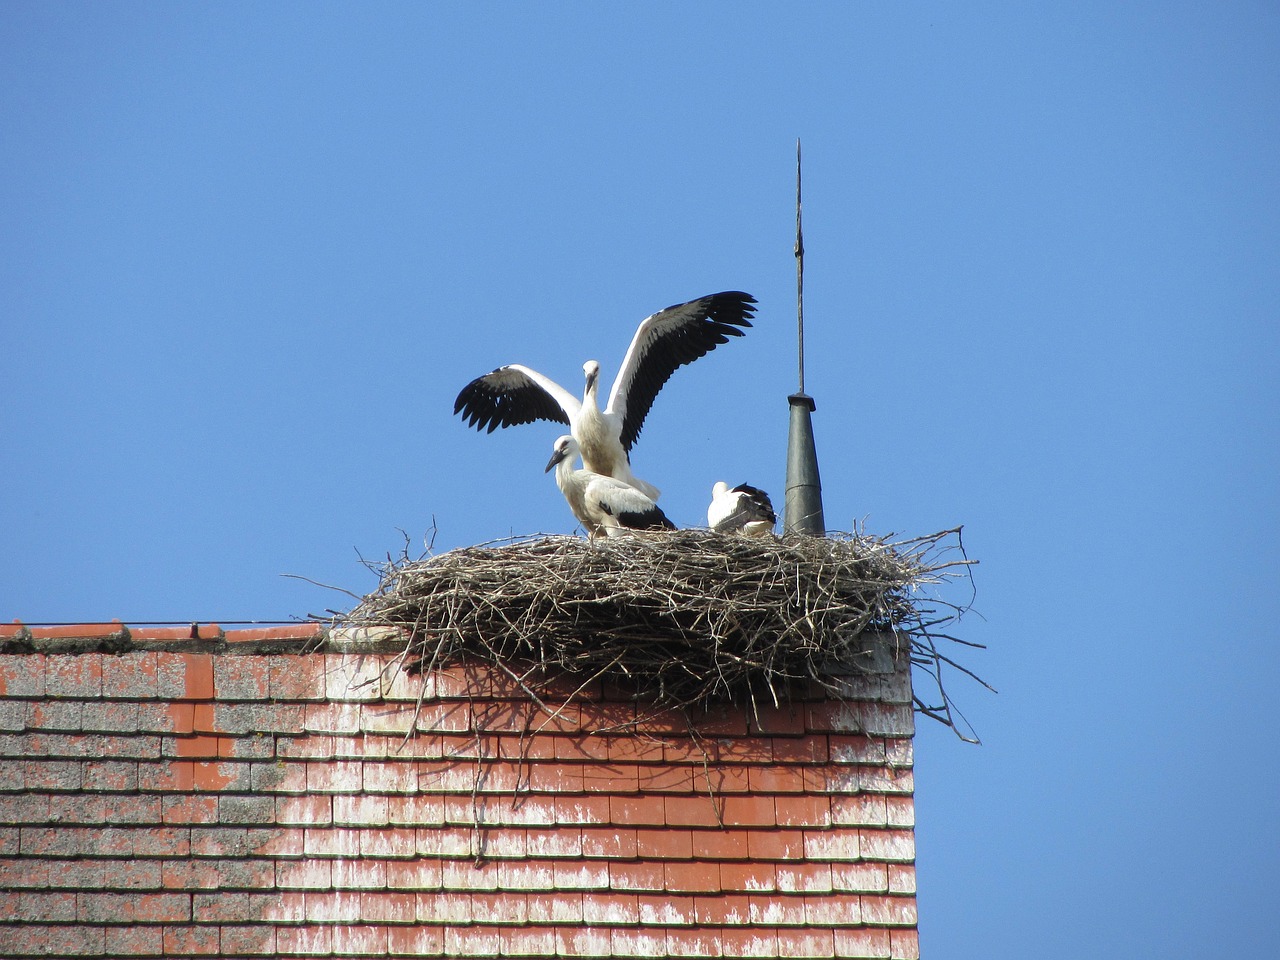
(803, 509)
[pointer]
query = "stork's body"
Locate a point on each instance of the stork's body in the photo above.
(742, 509)
(602, 503)
(662, 344)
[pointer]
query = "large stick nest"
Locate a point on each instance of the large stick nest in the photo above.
(688, 618)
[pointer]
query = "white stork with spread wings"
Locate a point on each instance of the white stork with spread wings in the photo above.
(662, 344)
(602, 503)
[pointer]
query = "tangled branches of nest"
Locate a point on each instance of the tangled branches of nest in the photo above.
(687, 618)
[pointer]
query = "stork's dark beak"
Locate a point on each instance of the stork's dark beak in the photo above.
(555, 458)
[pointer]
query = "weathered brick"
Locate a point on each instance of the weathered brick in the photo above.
(892, 845)
(296, 637)
(353, 677)
(185, 676)
(296, 678)
(47, 907)
(304, 875)
(748, 877)
(616, 837)
(305, 747)
(776, 911)
(904, 944)
(18, 874)
(861, 809)
(396, 776)
(721, 909)
(22, 675)
(249, 941)
(74, 675)
(331, 718)
(257, 746)
(794, 877)
(415, 941)
(775, 844)
(691, 877)
(794, 811)
(364, 874)
(220, 907)
(667, 910)
(625, 942)
(331, 843)
(112, 717)
(694, 811)
(187, 809)
(119, 776)
(398, 843)
(258, 718)
(305, 940)
(835, 844)
(134, 941)
(13, 716)
(228, 775)
(833, 910)
(899, 911)
(191, 941)
(785, 720)
(168, 775)
(134, 907)
(901, 878)
(414, 810)
(23, 808)
(167, 717)
(421, 874)
(131, 676)
(356, 940)
(888, 720)
(748, 811)
(162, 842)
(242, 678)
(360, 810)
(473, 942)
(865, 944)
(32, 940)
(235, 808)
(278, 777)
(224, 841)
(338, 906)
(900, 811)
(54, 841)
(637, 811)
(53, 774)
(54, 715)
(306, 810)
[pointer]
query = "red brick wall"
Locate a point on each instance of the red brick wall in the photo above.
(171, 802)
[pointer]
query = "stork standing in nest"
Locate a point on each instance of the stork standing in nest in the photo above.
(602, 503)
(742, 509)
(662, 344)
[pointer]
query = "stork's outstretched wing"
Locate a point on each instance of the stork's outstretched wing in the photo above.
(667, 341)
(514, 394)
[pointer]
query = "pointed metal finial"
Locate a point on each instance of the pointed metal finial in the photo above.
(799, 271)
(803, 507)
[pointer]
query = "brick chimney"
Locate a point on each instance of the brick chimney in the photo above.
(204, 793)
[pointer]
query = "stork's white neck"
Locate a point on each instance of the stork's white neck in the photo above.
(590, 394)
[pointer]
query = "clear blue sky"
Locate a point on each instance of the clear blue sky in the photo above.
(249, 253)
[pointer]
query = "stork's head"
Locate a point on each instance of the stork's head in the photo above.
(565, 448)
(720, 489)
(592, 370)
